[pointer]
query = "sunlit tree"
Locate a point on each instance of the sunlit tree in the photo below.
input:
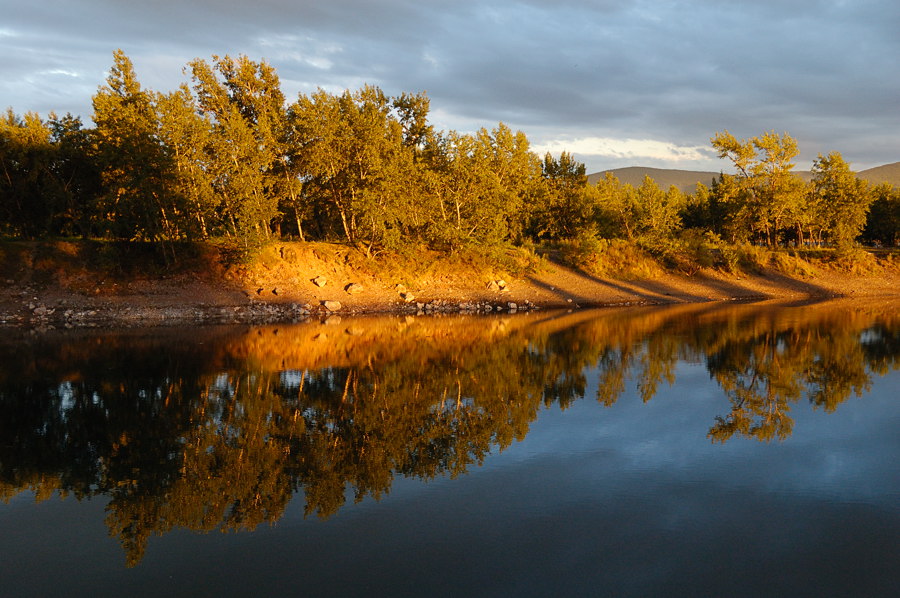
(135, 166)
(767, 195)
(841, 199)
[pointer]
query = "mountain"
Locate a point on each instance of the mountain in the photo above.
(687, 180)
(889, 173)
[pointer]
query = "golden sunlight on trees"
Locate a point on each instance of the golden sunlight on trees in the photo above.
(227, 156)
(766, 195)
(243, 101)
(838, 200)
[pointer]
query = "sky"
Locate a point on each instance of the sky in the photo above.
(615, 82)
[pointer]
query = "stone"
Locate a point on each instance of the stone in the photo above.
(320, 281)
(512, 306)
(353, 288)
(408, 297)
(332, 305)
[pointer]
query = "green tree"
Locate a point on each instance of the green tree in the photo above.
(135, 166)
(27, 190)
(658, 211)
(356, 161)
(244, 102)
(483, 185)
(77, 176)
(562, 208)
(187, 137)
(842, 200)
(883, 219)
(619, 208)
(412, 112)
(768, 196)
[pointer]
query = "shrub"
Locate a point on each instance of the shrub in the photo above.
(612, 258)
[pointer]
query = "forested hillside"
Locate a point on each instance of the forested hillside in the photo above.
(227, 156)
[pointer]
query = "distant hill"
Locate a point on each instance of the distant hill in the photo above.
(687, 180)
(889, 173)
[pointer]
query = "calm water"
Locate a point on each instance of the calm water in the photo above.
(708, 450)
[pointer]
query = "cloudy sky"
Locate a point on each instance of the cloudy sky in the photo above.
(616, 82)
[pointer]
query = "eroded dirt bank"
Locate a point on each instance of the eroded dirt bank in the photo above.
(50, 285)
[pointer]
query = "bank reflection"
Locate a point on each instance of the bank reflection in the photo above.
(220, 428)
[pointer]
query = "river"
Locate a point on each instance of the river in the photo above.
(694, 450)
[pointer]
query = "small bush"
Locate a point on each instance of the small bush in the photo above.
(792, 264)
(855, 261)
(609, 258)
(744, 258)
(688, 253)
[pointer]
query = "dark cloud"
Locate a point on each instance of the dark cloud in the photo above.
(674, 72)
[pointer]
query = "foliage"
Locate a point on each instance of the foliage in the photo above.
(48, 178)
(135, 167)
(614, 258)
(882, 226)
(766, 196)
(227, 157)
(839, 200)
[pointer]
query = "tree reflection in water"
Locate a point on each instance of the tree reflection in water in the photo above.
(219, 430)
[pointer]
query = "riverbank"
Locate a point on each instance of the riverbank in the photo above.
(75, 284)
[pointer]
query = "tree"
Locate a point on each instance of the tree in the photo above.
(768, 196)
(135, 167)
(658, 210)
(355, 160)
(842, 200)
(77, 176)
(619, 210)
(186, 137)
(562, 208)
(243, 100)
(883, 219)
(516, 171)
(483, 185)
(26, 183)
(412, 113)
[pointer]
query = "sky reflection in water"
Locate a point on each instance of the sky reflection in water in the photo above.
(625, 497)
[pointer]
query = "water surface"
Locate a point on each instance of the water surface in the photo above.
(693, 450)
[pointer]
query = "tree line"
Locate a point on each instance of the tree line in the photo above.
(228, 156)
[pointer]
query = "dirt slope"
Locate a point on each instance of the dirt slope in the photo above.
(51, 285)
